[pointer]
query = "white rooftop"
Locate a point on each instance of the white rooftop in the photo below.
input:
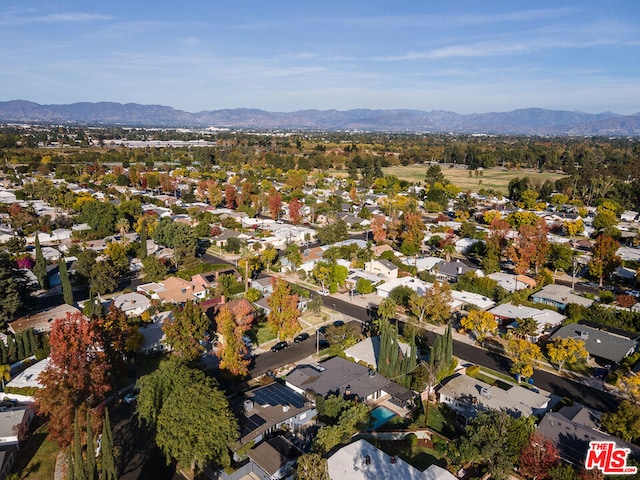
(362, 461)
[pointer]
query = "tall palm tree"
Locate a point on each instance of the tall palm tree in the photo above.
(123, 227)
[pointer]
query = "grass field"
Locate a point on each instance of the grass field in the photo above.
(494, 178)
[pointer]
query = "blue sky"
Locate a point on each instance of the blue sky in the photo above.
(462, 56)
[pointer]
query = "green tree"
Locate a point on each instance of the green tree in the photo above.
(185, 331)
(109, 470)
(438, 309)
(196, 426)
(67, 291)
(103, 278)
(5, 374)
(101, 216)
(312, 466)
(494, 439)
(335, 230)
(364, 286)
(40, 268)
(90, 452)
(624, 422)
(15, 289)
(79, 466)
(560, 257)
(153, 269)
(387, 309)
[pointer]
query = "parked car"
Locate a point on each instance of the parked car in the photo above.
(130, 397)
(301, 338)
(322, 344)
(279, 346)
(324, 293)
(338, 323)
(322, 330)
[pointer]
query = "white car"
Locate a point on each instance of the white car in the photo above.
(324, 293)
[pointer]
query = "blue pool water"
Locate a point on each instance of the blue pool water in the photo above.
(381, 415)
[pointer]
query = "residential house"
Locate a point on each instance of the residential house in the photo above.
(629, 254)
(153, 336)
(274, 458)
(469, 396)
(41, 321)
(14, 425)
(337, 376)
(450, 271)
(7, 197)
(361, 460)
(423, 263)
(263, 304)
(266, 410)
(605, 346)
(7, 459)
(28, 378)
(511, 282)
(132, 304)
(368, 351)
(508, 314)
(413, 283)
(178, 290)
(463, 300)
(559, 296)
(571, 429)
(263, 285)
(382, 268)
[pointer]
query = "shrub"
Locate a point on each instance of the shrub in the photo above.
(473, 370)
(411, 440)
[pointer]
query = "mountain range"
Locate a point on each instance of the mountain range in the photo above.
(529, 121)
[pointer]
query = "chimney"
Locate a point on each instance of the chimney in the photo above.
(222, 299)
(459, 270)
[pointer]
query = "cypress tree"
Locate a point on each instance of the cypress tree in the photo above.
(4, 356)
(91, 451)
(13, 351)
(79, 472)
(143, 239)
(448, 347)
(40, 268)
(89, 306)
(33, 342)
(109, 470)
(69, 464)
(19, 338)
(67, 291)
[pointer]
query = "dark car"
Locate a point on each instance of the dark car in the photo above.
(322, 344)
(338, 323)
(279, 346)
(322, 330)
(301, 338)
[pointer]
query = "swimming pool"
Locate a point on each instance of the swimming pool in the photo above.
(380, 416)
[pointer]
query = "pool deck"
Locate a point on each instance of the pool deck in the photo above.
(385, 402)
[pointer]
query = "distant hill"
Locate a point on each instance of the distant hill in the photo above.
(529, 121)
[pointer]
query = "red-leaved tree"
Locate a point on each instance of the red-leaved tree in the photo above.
(295, 206)
(275, 203)
(76, 377)
(537, 458)
(378, 229)
(230, 195)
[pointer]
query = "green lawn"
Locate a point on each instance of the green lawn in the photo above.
(37, 459)
(495, 178)
(442, 420)
(263, 334)
(420, 457)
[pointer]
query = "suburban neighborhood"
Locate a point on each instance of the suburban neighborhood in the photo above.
(277, 305)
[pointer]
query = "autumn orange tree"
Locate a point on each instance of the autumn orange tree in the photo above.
(562, 350)
(284, 314)
(230, 195)
(275, 203)
(76, 378)
(603, 257)
(378, 229)
(231, 326)
(294, 211)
